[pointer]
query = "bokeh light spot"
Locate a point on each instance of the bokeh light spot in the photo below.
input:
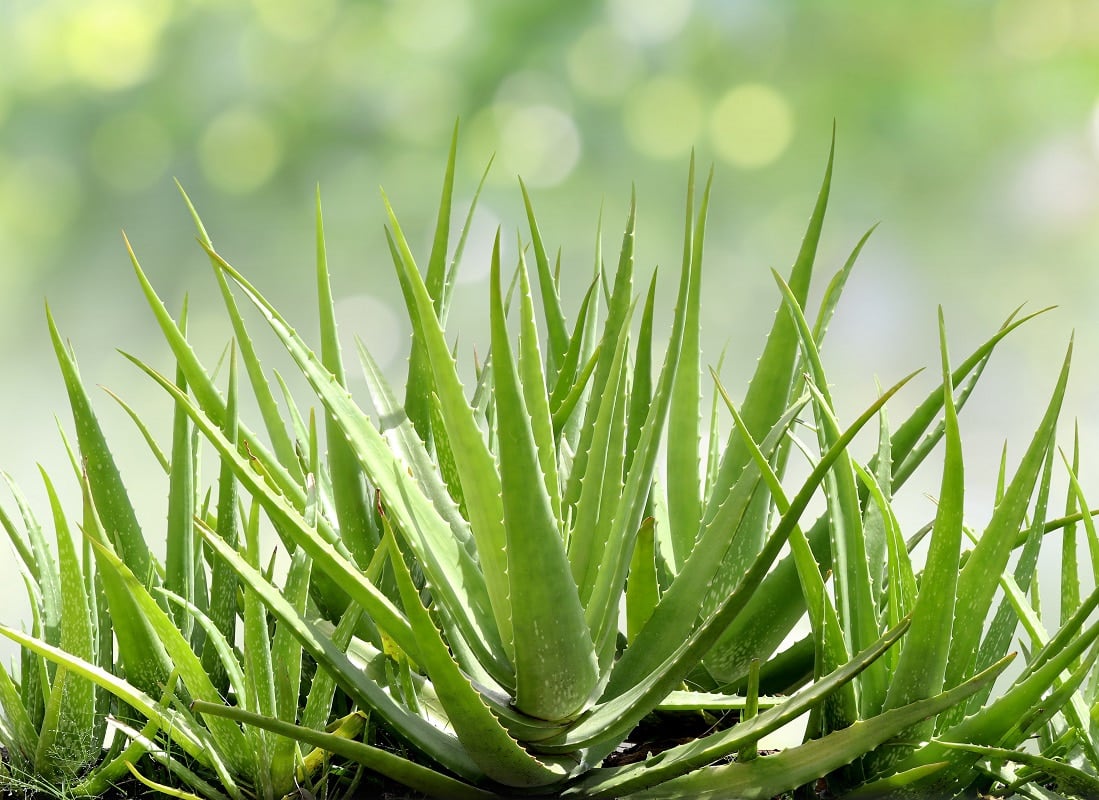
(1056, 186)
(39, 197)
(295, 21)
(751, 126)
(425, 107)
(601, 64)
(538, 142)
(1030, 29)
(239, 151)
(649, 21)
(663, 117)
(531, 87)
(112, 45)
(130, 151)
(428, 26)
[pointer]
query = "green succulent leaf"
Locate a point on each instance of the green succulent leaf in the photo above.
(555, 665)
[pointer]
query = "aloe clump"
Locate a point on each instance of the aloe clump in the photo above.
(505, 581)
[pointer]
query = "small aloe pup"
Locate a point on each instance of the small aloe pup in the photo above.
(500, 579)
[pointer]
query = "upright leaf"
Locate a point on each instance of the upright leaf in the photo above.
(684, 437)
(979, 577)
(349, 493)
(111, 498)
(179, 559)
(922, 664)
(555, 668)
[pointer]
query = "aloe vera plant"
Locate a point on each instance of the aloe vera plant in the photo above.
(505, 580)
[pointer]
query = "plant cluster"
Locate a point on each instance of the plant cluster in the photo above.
(492, 593)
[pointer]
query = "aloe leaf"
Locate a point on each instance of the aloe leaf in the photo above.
(901, 587)
(408, 773)
(111, 497)
(682, 759)
(110, 769)
(154, 448)
(140, 651)
(854, 594)
(477, 470)
(558, 336)
(444, 455)
(601, 485)
(620, 711)
(632, 504)
(348, 492)
(18, 733)
(179, 565)
(1010, 712)
(22, 549)
(641, 379)
(293, 525)
(141, 743)
(1070, 568)
(614, 327)
(481, 734)
(835, 288)
(796, 766)
(34, 551)
(679, 604)
(191, 740)
(879, 522)
(286, 658)
(65, 742)
(532, 378)
(447, 556)
(713, 443)
(229, 740)
(459, 248)
(1070, 597)
(684, 437)
(1075, 711)
(1065, 778)
(915, 437)
(922, 665)
(433, 741)
(566, 378)
(420, 383)
(769, 391)
(259, 678)
(223, 581)
(204, 390)
(642, 585)
(1001, 630)
(34, 680)
(318, 704)
(978, 578)
(162, 788)
(777, 607)
(563, 416)
(842, 707)
(898, 784)
(586, 342)
(555, 667)
(218, 646)
(767, 396)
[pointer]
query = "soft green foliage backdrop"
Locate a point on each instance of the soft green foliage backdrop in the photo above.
(971, 129)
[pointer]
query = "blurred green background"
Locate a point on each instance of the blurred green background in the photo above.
(970, 129)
